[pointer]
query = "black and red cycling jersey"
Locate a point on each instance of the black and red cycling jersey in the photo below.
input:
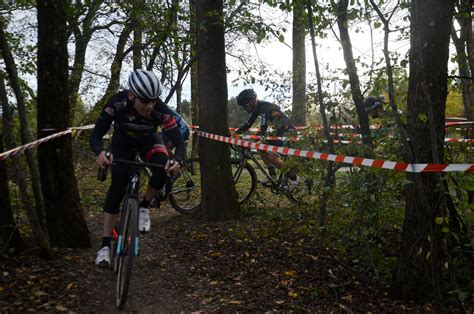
(132, 130)
(269, 113)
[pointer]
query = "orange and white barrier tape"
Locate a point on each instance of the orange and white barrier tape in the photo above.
(18, 150)
(358, 161)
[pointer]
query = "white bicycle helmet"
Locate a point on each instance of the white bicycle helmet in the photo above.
(144, 84)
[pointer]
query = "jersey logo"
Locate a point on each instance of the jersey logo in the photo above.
(170, 123)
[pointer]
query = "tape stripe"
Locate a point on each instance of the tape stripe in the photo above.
(376, 163)
(18, 150)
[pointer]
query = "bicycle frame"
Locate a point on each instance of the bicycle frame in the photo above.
(131, 192)
(247, 154)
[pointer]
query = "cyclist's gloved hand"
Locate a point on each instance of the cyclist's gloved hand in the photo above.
(104, 159)
(172, 167)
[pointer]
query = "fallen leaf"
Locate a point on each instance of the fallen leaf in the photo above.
(40, 293)
(279, 301)
(235, 302)
(61, 308)
(292, 294)
(70, 286)
(290, 273)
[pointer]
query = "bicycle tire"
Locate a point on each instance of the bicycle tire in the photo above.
(245, 180)
(185, 196)
(128, 242)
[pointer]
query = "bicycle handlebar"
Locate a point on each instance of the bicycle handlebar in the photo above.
(136, 163)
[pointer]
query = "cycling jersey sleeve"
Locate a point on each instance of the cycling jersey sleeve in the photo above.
(101, 127)
(248, 123)
(170, 127)
(285, 124)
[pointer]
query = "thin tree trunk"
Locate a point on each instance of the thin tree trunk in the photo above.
(25, 131)
(219, 199)
(66, 225)
(8, 229)
(299, 64)
(357, 97)
(137, 33)
(330, 172)
(461, 43)
(115, 70)
(194, 78)
(40, 236)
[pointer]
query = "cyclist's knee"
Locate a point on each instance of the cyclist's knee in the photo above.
(157, 153)
(159, 175)
(111, 210)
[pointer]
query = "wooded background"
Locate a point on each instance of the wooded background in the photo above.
(192, 40)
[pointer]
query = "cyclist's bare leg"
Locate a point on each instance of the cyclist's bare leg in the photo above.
(109, 223)
(275, 160)
(151, 193)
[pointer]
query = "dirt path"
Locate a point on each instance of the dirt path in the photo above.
(159, 281)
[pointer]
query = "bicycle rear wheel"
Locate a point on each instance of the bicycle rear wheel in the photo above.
(245, 179)
(127, 249)
(185, 196)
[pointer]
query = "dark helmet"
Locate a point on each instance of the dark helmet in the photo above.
(370, 103)
(246, 96)
(144, 84)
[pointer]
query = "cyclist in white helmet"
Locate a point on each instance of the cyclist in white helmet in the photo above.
(136, 114)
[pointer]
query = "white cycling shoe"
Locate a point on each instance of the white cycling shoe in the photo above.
(144, 222)
(103, 257)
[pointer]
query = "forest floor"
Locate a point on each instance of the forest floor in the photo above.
(187, 265)
(259, 263)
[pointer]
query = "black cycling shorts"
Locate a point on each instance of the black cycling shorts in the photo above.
(151, 149)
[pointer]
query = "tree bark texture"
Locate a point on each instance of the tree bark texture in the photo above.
(66, 225)
(16, 169)
(299, 64)
(25, 130)
(463, 45)
(219, 199)
(342, 22)
(418, 263)
(8, 230)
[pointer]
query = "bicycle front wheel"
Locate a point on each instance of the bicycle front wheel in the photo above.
(185, 196)
(245, 179)
(299, 192)
(127, 249)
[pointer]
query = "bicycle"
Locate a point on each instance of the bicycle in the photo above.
(245, 178)
(126, 234)
(184, 190)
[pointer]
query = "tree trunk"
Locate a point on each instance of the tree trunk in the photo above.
(194, 77)
(419, 265)
(357, 97)
(66, 225)
(219, 199)
(40, 237)
(330, 173)
(81, 39)
(461, 43)
(25, 131)
(8, 230)
(299, 64)
(115, 70)
(137, 17)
